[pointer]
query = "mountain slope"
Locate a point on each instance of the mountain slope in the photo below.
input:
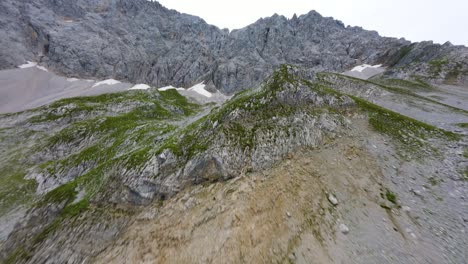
(107, 159)
(302, 164)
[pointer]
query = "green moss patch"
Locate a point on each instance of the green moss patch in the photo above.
(193, 139)
(322, 77)
(152, 103)
(173, 97)
(14, 189)
(391, 197)
(410, 133)
(411, 85)
(19, 254)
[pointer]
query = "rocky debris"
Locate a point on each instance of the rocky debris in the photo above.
(417, 193)
(343, 229)
(242, 210)
(406, 209)
(332, 199)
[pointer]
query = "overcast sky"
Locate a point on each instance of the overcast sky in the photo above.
(415, 20)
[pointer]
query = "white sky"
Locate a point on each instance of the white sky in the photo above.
(415, 20)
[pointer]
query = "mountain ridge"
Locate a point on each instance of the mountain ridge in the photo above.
(144, 42)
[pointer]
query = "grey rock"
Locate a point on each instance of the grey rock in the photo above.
(143, 42)
(332, 199)
(406, 209)
(344, 229)
(204, 169)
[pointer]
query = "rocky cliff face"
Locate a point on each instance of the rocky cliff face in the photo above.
(442, 64)
(143, 42)
(130, 40)
(311, 41)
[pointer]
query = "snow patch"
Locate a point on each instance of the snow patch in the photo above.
(362, 67)
(169, 88)
(365, 71)
(140, 86)
(72, 79)
(29, 64)
(42, 68)
(166, 88)
(200, 88)
(107, 82)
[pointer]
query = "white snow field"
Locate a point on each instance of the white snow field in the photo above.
(170, 87)
(29, 64)
(362, 67)
(107, 82)
(200, 88)
(199, 94)
(140, 86)
(365, 71)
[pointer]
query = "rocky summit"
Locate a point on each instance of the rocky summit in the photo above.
(131, 133)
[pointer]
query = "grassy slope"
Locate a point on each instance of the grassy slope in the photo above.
(410, 134)
(95, 135)
(397, 86)
(128, 138)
